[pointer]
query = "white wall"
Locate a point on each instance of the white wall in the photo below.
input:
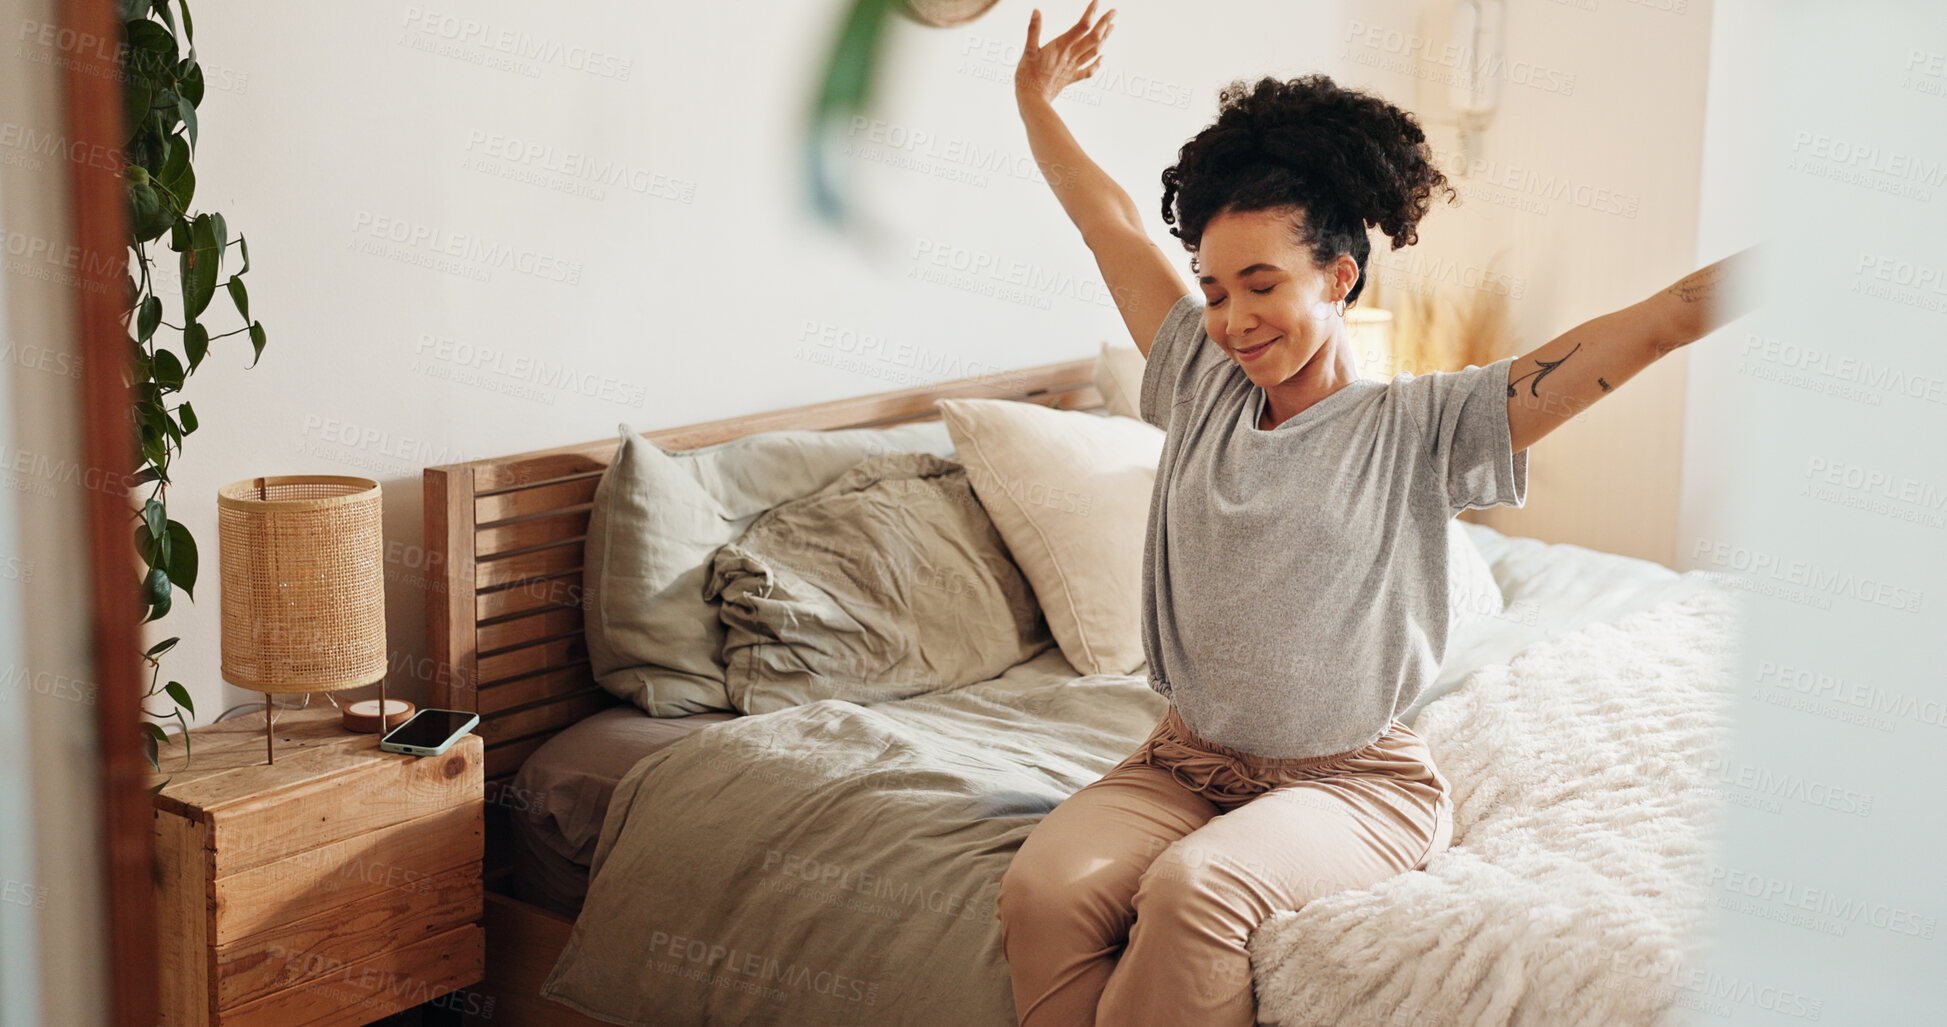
(1816, 482)
(50, 866)
(1580, 199)
(326, 127)
(710, 291)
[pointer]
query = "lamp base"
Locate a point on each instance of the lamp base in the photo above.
(363, 716)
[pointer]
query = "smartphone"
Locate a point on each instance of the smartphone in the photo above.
(429, 732)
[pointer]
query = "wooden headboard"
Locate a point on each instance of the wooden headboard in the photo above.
(504, 541)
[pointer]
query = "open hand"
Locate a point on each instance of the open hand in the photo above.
(1045, 71)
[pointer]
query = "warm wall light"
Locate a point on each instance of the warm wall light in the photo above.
(303, 581)
(1371, 332)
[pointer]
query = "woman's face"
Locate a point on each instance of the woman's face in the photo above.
(1261, 290)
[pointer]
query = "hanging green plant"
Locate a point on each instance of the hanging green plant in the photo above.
(162, 86)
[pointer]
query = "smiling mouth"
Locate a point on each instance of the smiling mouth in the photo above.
(1246, 354)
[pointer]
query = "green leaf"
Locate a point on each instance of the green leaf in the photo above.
(182, 559)
(256, 342)
(144, 545)
(144, 34)
(199, 267)
(158, 549)
(168, 370)
(156, 518)
(240, 297)
(188, 112)
(144, 209)
(150, 316)
(222, 230)
(145, 417)
(243, 247)
(181, 696)
(196, 343)
(189, 27)
(156, 789)
(155, 587)
(175, 162)
(146, 420)
(157, 611)
(149, 749)
(189, 79)
(188, 417)
(155, 731)
(182, 192)
(140, 149)
(136, 98)
(147, 474)
(161, 647)
(178, 234)
(154, 452)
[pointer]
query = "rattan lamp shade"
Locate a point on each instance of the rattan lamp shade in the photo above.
(303, 582)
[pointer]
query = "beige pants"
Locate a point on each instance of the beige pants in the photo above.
(1132, 901)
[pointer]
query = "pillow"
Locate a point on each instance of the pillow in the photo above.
(1069, 493)
(1119, 378)
(887, 583)
(1472, 593)
(657, 518)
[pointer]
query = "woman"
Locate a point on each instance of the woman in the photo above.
(1295, 593)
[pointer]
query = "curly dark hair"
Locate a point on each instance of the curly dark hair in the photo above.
(1346, 158)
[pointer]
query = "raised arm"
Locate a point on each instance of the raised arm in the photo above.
(1559, 379)
(1140, 278)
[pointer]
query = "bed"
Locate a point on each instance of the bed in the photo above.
(836, 862)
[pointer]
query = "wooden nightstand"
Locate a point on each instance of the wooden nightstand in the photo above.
(335, 887)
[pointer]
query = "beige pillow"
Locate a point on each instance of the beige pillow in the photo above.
(1119, 378)
(658, 517)
(1069, 492)
(887, 583)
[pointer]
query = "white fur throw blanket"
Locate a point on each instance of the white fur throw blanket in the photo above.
(1575, 890)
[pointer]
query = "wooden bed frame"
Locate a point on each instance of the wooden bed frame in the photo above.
(504, 619)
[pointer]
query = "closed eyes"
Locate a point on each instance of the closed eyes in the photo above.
(1260, 292)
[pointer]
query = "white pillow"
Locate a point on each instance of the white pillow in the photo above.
(1119, 378)
(1472, 593)
(1069, 492)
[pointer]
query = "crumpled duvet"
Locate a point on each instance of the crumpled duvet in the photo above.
(834, 863)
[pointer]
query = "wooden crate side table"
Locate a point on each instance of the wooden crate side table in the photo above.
(333, 888)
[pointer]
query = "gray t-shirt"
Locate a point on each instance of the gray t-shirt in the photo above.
(1295, 580)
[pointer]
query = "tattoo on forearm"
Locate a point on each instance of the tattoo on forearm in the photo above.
(1542, 372)
(1698, 285)
(1605, 385)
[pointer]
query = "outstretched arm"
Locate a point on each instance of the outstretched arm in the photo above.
(1559, 379)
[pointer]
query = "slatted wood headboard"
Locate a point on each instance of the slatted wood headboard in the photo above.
(504, 539)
